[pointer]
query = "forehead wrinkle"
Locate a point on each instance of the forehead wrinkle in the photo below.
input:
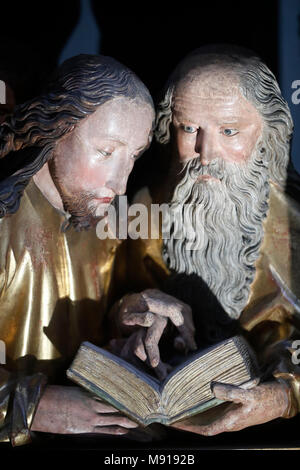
(207, 85)
(214, 74)
(237, 108)
(195, 101)
(188, 114)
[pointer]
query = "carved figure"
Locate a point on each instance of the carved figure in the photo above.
(226, 129)
(65, 155)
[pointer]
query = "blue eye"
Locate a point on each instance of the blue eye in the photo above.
(230, 132)
(189, 129)
(103, 153)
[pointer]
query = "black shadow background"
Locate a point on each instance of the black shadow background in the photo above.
(32, 36)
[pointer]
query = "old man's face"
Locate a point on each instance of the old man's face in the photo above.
(91, 164)
(212, 120)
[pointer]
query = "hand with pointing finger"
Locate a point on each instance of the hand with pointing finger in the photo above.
(151, 311)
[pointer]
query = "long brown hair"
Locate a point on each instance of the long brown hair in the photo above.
(27, 137)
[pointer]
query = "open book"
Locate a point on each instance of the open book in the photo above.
(185, 392)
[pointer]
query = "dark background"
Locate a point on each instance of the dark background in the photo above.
(35, 37)
(151, 42)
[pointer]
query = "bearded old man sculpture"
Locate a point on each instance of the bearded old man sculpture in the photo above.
(226, 129)
(65, 155)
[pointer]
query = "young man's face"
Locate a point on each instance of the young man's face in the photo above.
(92, 163)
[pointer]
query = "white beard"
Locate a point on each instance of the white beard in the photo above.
(226, 224)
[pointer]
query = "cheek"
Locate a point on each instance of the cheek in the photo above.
(85, 173)
(238, 148)
(72, 161)
(185, 145)
(105, 174)
(90, 178)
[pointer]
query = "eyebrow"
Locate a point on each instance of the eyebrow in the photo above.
(117, 139)
(231, 120)
(182, 117)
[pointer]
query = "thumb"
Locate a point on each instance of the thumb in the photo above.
(228, 392)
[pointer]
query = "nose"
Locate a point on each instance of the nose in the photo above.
(117, 185)
(118, 178)
(206, 146)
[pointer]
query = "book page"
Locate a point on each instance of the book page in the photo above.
(124, 386)
(190, 386)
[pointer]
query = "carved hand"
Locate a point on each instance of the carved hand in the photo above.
(71, 410)
(151, 310)
(258, 405)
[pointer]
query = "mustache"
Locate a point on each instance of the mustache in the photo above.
(191, 180)
(230, 176)
(217, 168)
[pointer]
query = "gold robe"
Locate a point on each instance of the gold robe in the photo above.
(271, 318)
(54, 289)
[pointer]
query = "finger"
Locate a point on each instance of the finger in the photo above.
(153, 336)
(133, 303)
(179, 344)
(101, 407)
(114, 420)
(188, 329)
(229, 422)
(116, 345)
(229, 393)
(134, 345)
(139, 348)
(128, 346)
(188, 337)
(142, 319)
(162, 370)
(111, 430)
(251, 383)
(164, 305)
(188, 318)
